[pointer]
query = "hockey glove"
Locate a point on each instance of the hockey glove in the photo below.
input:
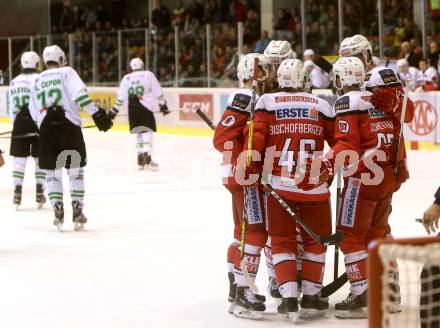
(112, 113)
(389, 100)
(102, 120)
(164, 109)
(313, 174)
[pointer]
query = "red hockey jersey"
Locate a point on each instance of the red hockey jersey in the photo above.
(229, 136)
(295, 126)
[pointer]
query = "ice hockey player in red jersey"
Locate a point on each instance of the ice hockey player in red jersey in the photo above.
(289, 126)
(361, 129)
(228, 139)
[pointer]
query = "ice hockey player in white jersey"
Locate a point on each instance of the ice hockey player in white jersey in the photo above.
(407, 72)
(135, 88)
(57, 96)
(22, 148)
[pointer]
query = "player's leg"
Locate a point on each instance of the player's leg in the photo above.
(55, 193)
(18, 170)
(273, 284)
(355, 217)
(40, 175)
(318, 216)
(74, 141)
(282, 230)
(247, 304)
(145, 150)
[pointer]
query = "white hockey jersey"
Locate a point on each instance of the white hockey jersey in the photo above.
(411, 74)
(19, 93)
(430, 75)
(60, 86)
(141, 84)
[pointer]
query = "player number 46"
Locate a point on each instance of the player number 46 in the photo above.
(287, 160)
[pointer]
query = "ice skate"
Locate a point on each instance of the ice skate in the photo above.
(59, 215)
(40, 198)
(289, 308)
(79, 219)
(149, 163)
(247, 306)
(273, 289)
(17, 196)
(312, 306)
(232, 292)
(141, 162)
(353, 307)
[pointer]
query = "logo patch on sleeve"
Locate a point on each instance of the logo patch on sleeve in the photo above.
(342, 103)
(241, 101)
(228, 121)
(344, 126)
(388, 76)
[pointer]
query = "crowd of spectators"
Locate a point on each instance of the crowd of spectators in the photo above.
(401, 35)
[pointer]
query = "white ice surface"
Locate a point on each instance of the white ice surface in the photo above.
(155, 247)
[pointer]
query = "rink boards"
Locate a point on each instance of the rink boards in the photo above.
(422, 133)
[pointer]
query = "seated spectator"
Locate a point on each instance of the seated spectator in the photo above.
(318, 78)
(410, 53)
(427, 78)
(434, 52)
(262, 42)
(406, 72)
(179, 14)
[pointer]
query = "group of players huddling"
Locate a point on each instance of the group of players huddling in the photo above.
(290, 126)
(45, 110)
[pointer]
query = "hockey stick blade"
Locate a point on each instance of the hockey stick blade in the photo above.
(247, 277)
(205, 118)
(322, 63)
(333, 239)
(332, 287)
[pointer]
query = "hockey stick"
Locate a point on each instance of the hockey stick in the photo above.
(338, 206)
(21, 136)
(332, 287)
(205, 118)
(243, 266)
(322, 63)
(402, 121)
(7, 132)
(333, 239)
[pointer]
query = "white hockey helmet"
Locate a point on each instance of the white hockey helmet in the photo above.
(356, 45)
(30, 59)
(277, 51)
(136, 64)
(54, 54)
(291, 74)
(348, 71)
(245, 68)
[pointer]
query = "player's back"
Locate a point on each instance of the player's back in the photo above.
(141, 84)
(297, 125)
(19, 92)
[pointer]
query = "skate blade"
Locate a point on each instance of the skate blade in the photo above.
(40, 205)
(291, 317)
(308, 314)
(231, 308)
(361, 313)
(247, 314)
(59, 227)
(78, 226)
(152, 168)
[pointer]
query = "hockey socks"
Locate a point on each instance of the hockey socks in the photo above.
(252, 255)
(356, 268)
(19, 167)
(54, 187)
(76, 178)
(285, 270)
(312, 272)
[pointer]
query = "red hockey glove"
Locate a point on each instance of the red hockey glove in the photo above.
(389, 100)
(315, 175)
